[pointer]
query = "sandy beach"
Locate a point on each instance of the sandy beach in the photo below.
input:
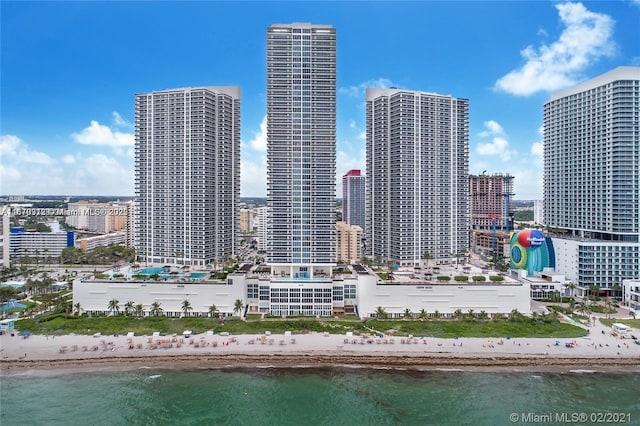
(597, 350)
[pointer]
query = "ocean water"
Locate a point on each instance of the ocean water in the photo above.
(333, 396)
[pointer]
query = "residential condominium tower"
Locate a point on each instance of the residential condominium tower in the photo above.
(592, 178)
(417, 188)
(353, 199)
(187, 162)
(491, 201)
(301, 148)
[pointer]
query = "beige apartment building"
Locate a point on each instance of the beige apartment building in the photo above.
(348, 238)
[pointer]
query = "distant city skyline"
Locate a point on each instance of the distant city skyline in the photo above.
(68, 79)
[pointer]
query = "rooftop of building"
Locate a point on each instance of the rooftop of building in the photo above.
(619, 73)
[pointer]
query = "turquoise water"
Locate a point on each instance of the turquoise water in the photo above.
(337, 396)
(151, 271)
(198, 274)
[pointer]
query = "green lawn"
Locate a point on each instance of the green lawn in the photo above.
(60, 324)
(145, 326)
(635, 323)
(476, 328)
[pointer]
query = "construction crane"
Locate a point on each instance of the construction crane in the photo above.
(507, 203)
(494, 219)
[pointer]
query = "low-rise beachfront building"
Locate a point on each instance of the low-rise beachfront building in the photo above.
(354, 290)
(544, 285)
(38, 244)
(106, 240)
(94, 296)
(631, 296)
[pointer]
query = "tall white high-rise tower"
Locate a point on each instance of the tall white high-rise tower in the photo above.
(301, 148)
(187, 174)
(592, 179)
(417, 186)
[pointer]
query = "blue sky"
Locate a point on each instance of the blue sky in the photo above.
(70, 70)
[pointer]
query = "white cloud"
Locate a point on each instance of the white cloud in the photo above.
(106, 174)
(537, 149)
(352, 124)
(253, 177)
(542, 32)
(587, 37)
(15, 150)
(259, 141)
(9, 145)
(118, 121)
(493, 128)
(68, 159)
(499, 145)
(26, 171)
(359, 90)
(99, 134)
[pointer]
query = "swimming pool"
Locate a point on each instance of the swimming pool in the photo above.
(151, 271)
(198, 274)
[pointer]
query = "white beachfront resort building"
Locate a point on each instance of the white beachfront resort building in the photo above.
(352, 290)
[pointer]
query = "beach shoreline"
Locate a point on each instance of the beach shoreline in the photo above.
(314, 350)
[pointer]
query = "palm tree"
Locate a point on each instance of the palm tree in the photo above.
(77, 308)
(423, 314)
(380, 312)
(608, 307)
(237, 306)
(483, 315)
(139, 309)
(457, 314)
(407, 313)
(571, 286)
(470, 313)
(436, 314)
(427, 257)
(618, 291)
(213, 311)
(585, 309)
(128, 308)
(186, 307)
(155, 308)
(114, 306)
(515, 315)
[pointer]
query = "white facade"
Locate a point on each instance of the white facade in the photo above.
(596, 263)
(187, 174)
(417, 187)
(538, 212)
(360, 294)
(301, 145)
(38, 244)
(631, 296)
(445, 298)
(592, 177)
(94, 296)
(261, 220)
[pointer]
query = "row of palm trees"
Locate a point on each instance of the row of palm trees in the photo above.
(457, 314)
(155, 309)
